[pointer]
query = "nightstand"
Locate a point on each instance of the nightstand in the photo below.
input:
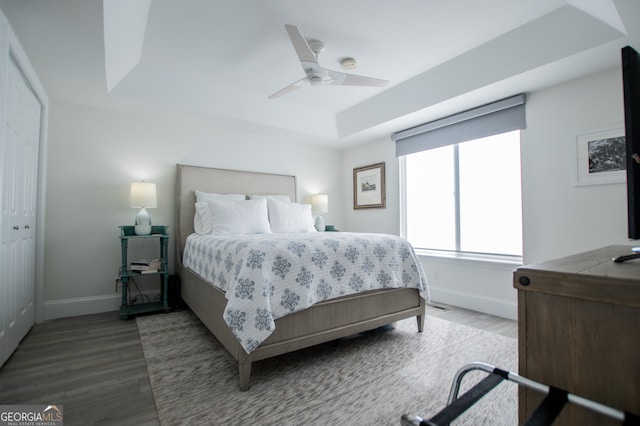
(161, 234)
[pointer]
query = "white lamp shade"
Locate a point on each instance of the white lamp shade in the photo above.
(143, 194)
(320, 203)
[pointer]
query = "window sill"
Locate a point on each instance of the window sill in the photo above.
(483, 260)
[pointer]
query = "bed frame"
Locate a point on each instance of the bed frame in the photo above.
(325, 321)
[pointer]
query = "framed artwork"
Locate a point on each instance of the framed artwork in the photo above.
(601, 157)
(368, 187)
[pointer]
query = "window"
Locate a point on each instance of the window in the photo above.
(460, 178)
(465, 197)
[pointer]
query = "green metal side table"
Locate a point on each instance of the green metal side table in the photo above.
(128, 233)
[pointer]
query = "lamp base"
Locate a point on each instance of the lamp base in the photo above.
(320, 225)
(142, 229)
(142, 223)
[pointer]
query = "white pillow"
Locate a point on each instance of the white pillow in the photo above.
(201, 219)
(239, 217)
(283, 198)
(290, 217)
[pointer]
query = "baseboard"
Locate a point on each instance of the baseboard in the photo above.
(498, 307)
(96, 304)
(62, 308)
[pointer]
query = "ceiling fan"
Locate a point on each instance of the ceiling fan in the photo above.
(315, 74)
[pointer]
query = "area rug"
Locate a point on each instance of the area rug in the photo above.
(369, 379)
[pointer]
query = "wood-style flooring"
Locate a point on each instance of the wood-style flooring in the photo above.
(93, 365)
(474, 319)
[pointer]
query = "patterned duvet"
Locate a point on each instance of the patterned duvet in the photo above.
(268, 276)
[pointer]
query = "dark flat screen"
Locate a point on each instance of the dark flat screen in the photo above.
(631, 91)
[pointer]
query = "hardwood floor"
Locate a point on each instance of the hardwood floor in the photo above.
(93, 365)
(474, 319)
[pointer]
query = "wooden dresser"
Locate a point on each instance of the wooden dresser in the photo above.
(579, 330)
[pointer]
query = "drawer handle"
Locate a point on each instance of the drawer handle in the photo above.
(16, 227)
(525, 281)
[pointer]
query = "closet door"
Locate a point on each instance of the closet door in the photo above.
(19, 207)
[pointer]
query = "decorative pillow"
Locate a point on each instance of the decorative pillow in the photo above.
(239, 217)
(290, 217)
(201, 220)
(283, 198)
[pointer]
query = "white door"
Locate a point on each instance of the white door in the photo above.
(19, 207)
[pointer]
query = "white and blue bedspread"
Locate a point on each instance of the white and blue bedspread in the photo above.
(268, 276)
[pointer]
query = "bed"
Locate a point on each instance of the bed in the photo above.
(321, 322)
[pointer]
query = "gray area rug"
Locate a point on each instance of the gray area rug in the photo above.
(369, 379)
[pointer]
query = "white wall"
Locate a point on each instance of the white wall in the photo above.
(385, 220)
(484, 287)
(94, 154)
(559, 218)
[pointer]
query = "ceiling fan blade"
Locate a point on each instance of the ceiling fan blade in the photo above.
(315, 74)
(343, 79)
(305, 54)
(290, 88)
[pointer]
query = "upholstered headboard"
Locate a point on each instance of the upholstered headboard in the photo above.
(221, 181)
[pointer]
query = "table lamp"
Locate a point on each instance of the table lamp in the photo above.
(320, 204)
(143, 196)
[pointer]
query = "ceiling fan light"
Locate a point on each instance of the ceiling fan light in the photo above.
(316, 80)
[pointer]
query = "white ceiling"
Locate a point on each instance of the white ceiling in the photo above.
(224, 58)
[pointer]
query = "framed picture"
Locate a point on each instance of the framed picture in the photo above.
(368, 187)
(601, 157)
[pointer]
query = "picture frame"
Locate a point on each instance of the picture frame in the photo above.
(601, 157)
(369, 187)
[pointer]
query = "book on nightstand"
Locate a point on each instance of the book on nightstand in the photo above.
(146, 265)
(146, 271)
